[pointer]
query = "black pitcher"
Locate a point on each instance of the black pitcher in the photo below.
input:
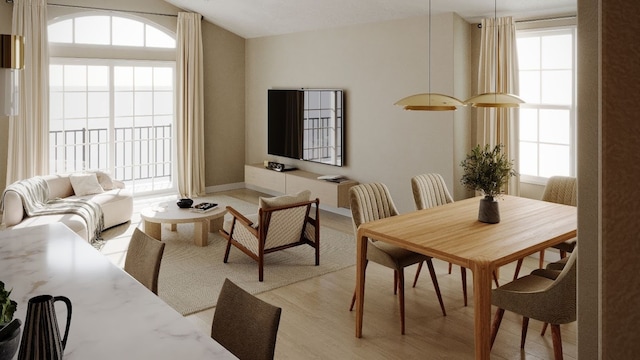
(41, 336)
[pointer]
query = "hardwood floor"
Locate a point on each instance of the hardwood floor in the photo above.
(316, 322)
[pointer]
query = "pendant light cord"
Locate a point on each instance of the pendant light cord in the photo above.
(429, 54)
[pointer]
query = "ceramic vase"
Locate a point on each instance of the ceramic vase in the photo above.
(489, 212)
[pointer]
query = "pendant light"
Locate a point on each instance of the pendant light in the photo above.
(429, 101)
(495, 99)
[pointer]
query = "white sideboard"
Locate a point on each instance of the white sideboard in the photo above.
(289, 182)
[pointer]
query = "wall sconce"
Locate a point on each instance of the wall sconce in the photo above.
(11, 60)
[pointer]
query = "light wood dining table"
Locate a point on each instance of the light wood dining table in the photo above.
(453, 233)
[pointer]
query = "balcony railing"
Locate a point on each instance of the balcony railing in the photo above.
(135, 153)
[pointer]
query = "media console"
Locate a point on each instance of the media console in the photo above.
(289, 182)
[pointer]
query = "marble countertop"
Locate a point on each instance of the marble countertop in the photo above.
(113, 316)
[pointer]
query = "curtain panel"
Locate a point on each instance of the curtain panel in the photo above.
(28, 148)
(498, 72)
(190, 114)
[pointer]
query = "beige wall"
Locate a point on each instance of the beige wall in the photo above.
(223, 86)
(376, 64)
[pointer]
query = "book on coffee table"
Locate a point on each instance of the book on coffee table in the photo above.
(204, 207)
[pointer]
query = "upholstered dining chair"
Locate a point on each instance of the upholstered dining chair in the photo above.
(546, 295)
(143, 259)
(244, 324)
(371, 202)
(282, 222)
(430, 190)
(559, 190)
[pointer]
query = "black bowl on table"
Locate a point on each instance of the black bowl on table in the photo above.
(185, 203)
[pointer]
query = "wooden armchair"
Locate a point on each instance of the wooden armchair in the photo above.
(282, 222)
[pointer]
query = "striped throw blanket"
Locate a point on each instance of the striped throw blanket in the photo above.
(35, 200)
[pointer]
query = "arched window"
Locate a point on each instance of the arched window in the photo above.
(112, 82)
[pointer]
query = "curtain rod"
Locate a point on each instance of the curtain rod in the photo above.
(566, 17)
(123, 11)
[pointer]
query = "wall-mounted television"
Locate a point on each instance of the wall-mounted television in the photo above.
(306, 124)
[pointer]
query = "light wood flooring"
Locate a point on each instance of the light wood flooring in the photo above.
(316, 322)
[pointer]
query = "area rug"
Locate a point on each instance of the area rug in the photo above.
(191, 277)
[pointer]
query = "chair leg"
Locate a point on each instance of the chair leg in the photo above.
(525, 326)
(518, 266)
(226, 253)
(557, 341)
(541, 259)
(563, 254)
(261, 268)
(495, 278)
(497, 319)
(463, 272)
(415, 280)
(544, 329)
(401, 286)
(432, 271)
(353, 299)
(450, 266)
(395, 283)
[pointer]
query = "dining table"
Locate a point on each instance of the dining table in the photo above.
(113, 316)
(453, 233)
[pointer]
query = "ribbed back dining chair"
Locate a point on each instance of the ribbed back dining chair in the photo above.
(143, 259)
(430, 190)
(371, 202)
(559, 190)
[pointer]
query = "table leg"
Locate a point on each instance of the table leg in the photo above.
(152, 229)
(482, 277)
(361, 261)
(216, 224)
(201, 233)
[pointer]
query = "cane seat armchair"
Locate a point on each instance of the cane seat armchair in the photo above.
(281, 222)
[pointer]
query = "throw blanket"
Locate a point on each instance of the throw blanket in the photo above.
(35, 200)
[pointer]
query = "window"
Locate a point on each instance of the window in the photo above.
(548, 119)
(113, 114)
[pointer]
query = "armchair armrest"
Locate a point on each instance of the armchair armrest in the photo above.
(243, 220)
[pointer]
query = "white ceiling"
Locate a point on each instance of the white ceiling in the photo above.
(257, 18)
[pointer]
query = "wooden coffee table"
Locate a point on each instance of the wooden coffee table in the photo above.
(170, 213)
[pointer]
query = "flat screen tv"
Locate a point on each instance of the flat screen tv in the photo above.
(306, 124)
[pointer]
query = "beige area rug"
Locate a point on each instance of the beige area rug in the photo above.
(191, 277)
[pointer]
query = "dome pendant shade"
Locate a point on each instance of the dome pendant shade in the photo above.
(429, 102)
(499, 100)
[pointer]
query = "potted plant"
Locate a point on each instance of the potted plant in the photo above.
(9, 327)
(487, 170)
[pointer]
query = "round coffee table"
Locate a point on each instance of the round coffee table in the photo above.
(170, 213)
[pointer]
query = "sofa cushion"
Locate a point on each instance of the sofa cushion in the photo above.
(85, 184)
(116, 205)
(283, 200)
(104, 179)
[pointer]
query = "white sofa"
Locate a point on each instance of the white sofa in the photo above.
(115, 201)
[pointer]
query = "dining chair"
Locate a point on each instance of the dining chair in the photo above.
(559, 190)
(371, 202)
(548, 296)
(244, 324)
(430, 190)
(143, 259)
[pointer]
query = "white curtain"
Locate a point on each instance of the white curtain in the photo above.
(498, 72)
(28, 152)
(190, 127)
